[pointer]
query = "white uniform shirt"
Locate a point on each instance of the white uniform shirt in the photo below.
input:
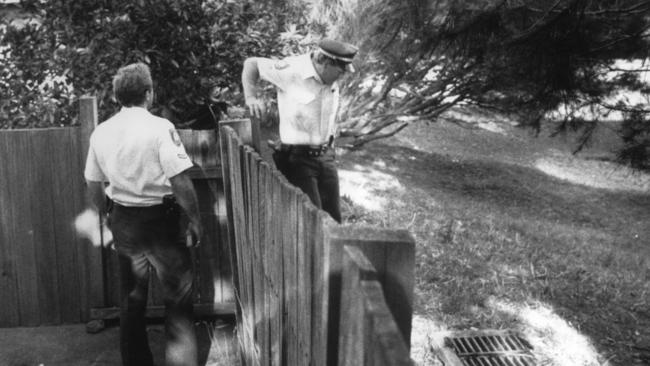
(136, 153)
(306, 105)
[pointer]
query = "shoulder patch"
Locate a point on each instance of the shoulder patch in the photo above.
(280, 65)
(175, 138)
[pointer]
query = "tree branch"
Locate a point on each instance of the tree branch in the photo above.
(641, 7)
(358, 142)
(625, 109)
(615, 41)
(541, 23)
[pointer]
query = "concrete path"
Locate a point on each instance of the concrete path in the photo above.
(70, 345)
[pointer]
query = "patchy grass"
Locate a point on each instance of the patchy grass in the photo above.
(501, 244)
(223, 343)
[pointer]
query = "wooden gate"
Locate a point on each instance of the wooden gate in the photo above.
(213, 293)
(49, 275)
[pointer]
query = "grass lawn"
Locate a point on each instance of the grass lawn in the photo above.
(503, 244)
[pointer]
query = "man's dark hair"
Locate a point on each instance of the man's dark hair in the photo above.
(131, 83)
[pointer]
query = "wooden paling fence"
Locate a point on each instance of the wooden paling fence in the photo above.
(290, 266)
(46, 271)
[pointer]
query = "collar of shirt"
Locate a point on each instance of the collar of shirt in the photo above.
(306, 68)
(134, 109)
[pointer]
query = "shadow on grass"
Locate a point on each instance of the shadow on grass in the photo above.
(507, 189)
(510, 234)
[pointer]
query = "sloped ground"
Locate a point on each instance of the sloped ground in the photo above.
(514, 232)
(511, 232)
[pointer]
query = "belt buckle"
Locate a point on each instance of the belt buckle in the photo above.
(319, 150)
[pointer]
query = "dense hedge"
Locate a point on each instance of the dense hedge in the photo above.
(195, 49)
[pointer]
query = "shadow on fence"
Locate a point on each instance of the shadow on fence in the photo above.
(307, 287)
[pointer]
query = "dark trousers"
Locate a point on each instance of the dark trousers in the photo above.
(147, 238)
(315, 175)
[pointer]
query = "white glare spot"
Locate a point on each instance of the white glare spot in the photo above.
(368, 187)
(551, 336)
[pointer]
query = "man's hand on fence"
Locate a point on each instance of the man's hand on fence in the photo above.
(256, 107)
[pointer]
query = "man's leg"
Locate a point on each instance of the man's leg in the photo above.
(303, 173)
(174, 270)
(134, 282)
(281, 160)
(134, 277)
(328, 187)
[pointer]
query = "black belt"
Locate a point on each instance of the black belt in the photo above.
(307, 150)
(169, 204)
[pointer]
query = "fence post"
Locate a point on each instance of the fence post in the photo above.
(392, 254)
(356, 268)
(383, 344)
(88, 121)
(93, 257)
(247, 130)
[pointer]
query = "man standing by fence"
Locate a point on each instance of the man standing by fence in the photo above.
(144, 162)
(308, 98)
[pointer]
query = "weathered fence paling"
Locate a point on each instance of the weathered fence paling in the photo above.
(368, 332)
(392, 255)
(289, 259)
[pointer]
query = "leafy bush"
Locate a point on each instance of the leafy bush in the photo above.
(195, 50)
(32, 96)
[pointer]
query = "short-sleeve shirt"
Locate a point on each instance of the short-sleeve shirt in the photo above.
(306, 105)
(136, 153)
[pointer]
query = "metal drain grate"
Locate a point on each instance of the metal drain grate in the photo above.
(487, 348)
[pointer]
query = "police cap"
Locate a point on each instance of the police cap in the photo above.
(338, 50)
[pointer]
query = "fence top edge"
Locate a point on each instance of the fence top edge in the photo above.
(225, 122)
(40, 129)
(185, 130)
(371, 234)
(229, 131)
(358, 259)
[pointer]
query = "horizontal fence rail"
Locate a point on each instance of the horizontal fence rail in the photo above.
(288, 258)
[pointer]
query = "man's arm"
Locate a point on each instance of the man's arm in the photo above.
(250, 77)
(96, 195)
(186, 197)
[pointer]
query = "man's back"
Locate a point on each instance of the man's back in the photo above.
(136, 153)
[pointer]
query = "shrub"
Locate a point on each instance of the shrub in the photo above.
(32, 96)
(195, 50)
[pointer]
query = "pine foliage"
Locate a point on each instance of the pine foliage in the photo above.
(421, 57)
